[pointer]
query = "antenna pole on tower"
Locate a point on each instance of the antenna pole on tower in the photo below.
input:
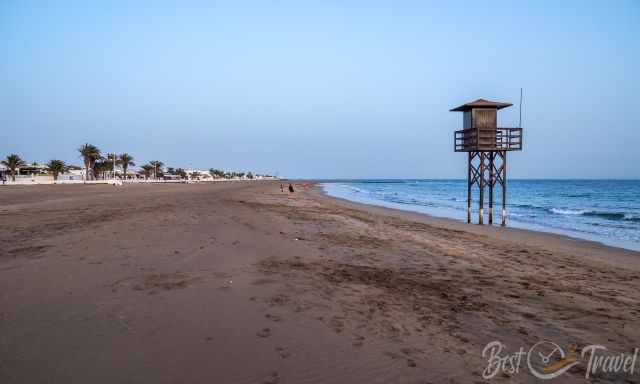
(520, 122)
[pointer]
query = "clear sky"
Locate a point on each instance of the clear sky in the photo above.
(324, 89)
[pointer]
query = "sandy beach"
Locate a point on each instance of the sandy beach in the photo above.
(240, 283)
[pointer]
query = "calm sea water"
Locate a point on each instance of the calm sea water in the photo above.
(607, 211)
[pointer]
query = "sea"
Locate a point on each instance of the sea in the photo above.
(606, 211)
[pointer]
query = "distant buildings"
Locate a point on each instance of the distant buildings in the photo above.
(37, 173)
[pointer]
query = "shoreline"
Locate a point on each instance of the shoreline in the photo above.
(239, 282)
(571, 234)
(587, 248)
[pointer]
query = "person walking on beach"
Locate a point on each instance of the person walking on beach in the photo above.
(281, 187)
(291, 188)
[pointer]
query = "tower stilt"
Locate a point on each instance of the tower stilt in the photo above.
(469, 184)
(504, 188)
(481, 185)
(491, 183)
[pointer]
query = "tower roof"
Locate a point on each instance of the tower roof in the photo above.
(481, 103)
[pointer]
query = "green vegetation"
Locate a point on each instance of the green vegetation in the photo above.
(96, 165)
(13, 162)
(126, 161)
(56, 167)
(90, 154)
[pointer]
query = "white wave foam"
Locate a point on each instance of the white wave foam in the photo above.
(560, 211)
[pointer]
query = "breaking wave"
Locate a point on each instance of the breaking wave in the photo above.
(601, 215)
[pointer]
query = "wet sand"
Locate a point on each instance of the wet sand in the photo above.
(240, 283)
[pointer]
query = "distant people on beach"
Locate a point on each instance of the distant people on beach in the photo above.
(291, 189)
(281, 187)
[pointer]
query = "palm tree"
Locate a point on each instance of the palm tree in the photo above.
(112, 161)
(90, 154)
(126, 161)
(56, 167)
(157, 167)
(101, 165)
(147, 169)
(216, 173)
(13, 162)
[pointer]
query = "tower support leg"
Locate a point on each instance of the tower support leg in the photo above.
(469, 184)
(491, 183)
(504, 188)
(481, 186)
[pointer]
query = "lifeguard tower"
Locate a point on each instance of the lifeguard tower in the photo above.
(487, 146)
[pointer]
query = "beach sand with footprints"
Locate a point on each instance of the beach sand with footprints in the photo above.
(242, 283)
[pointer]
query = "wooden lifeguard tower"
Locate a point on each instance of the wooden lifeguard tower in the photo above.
(487, 146)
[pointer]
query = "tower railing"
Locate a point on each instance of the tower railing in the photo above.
(500, 139)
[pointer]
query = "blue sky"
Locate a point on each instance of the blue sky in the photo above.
(322, 89)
